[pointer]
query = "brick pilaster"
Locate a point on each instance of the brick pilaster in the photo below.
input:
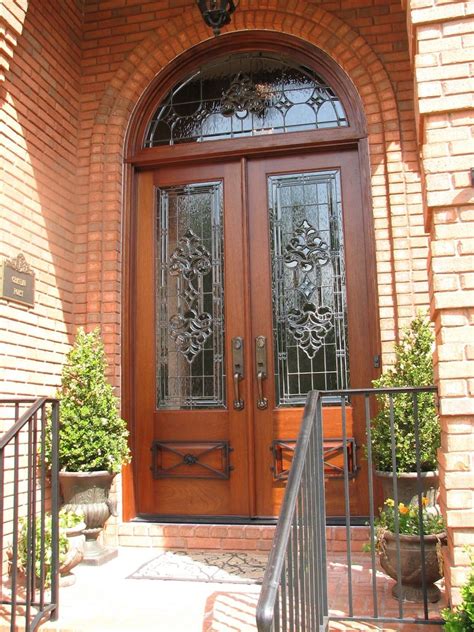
(442, 53)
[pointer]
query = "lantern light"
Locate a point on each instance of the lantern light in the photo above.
(216, 13)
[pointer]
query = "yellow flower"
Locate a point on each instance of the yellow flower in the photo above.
(403, 509)
(425, 501)
(390, 502)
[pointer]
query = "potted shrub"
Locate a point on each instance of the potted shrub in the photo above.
(413, 367)
(410, 586)
(92, 439)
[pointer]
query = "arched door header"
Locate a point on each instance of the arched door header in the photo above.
(245, 94)
(293, 51)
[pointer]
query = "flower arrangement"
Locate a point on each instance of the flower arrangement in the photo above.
(409, 518)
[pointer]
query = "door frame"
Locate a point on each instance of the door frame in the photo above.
(138, 159)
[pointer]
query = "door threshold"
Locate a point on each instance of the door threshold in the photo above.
(221, 520)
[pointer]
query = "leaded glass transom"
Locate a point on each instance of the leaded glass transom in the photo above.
(190, 297)
(308, 284)
(245, 95)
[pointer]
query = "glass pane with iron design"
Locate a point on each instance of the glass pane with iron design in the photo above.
(245, 95)
(190, 297)
(308, 285)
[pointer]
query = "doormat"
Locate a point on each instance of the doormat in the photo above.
(205, 566)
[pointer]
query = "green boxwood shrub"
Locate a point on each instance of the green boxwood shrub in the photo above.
(92, 436)
(413, 367)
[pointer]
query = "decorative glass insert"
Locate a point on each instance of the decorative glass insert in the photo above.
(190, 297)
(245, 95)
(308, 284)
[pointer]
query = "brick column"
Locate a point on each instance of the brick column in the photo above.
(442, 38)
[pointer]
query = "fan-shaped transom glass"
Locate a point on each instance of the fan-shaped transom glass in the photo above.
(247, 94)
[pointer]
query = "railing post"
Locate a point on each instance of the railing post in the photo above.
(55, 509)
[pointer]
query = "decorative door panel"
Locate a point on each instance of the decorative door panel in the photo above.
(308, 298)
(190, 297)
(192, 443)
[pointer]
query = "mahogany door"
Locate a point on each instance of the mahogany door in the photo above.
(250, 290)
(191, 442)
(311, 302)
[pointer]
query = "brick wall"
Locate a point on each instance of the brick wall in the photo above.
(40, 59)
(443, 51)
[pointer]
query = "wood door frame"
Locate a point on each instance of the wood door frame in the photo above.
(138, 159)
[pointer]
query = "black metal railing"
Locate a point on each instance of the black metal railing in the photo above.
(29, 505)
(294, 595)
(294, 587)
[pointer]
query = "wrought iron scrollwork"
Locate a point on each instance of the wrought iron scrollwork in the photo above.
(190, 328)
(242, 96)
(306, 249)
(189, 259)
(310, 326)
(190, 331)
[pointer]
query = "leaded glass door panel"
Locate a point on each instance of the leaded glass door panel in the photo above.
(192, 440)
(310, 294)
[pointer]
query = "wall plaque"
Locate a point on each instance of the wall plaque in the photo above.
(17, 281)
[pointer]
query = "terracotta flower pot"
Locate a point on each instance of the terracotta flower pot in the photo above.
(411, 588)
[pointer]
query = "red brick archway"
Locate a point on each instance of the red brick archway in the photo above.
(100, 291)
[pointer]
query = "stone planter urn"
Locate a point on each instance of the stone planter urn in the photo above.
(407, 485)
(88, 493)
(75, 554)
(411, 588)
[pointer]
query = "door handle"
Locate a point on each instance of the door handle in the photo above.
(261, 365)
(238, 369)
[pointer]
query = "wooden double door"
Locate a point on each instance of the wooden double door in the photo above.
(250, 289)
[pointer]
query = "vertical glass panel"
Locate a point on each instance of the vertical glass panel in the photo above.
(308, 285)
(190, 297)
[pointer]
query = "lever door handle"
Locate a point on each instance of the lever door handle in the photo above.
(262, 402)
(238, 403)
(261, 366)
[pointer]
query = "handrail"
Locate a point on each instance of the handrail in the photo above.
(294, 594)
(18, 425)
(24, 447)
(274, 569)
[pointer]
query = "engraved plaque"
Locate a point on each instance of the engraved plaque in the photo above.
(17, 281)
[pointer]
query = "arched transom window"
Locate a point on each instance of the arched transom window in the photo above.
(247, 94)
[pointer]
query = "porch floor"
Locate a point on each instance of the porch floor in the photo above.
(106, 599)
